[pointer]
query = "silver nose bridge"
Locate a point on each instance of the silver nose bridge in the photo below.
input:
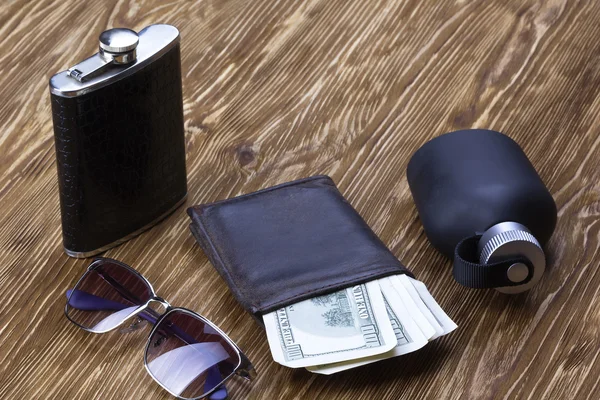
(160, 300)
(146, 314)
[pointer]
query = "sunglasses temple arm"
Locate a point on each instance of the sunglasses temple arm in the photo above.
(119, 288)
(85, 301)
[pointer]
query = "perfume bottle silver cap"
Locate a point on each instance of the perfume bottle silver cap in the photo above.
(510, 239)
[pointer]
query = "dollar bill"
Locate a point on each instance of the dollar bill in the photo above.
(394, 284)
(441, 317)
(405, 281)
(413, 308)
(408, 336)
(348, 324)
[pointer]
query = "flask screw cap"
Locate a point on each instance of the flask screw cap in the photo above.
(510, 239)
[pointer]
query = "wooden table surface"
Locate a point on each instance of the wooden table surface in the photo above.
(279, 90)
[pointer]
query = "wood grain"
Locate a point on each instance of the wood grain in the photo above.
(276, 90)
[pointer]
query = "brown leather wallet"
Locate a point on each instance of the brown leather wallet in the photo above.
(290, 242)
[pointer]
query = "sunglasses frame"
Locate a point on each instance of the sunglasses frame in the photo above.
(245, 369)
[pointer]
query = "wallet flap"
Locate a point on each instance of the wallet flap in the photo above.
(290, 242)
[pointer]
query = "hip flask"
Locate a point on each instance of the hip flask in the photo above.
(483, 204)
(119, 138)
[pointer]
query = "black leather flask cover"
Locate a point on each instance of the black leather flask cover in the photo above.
(290, 242)
(120, 148)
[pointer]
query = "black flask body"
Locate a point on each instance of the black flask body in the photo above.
(465, 182)
(120, 153)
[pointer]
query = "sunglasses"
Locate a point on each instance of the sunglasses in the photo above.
(186, 354)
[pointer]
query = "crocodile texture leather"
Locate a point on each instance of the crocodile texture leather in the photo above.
(120, 153)
(289, 243)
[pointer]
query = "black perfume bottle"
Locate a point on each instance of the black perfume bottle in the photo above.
(119, 137)
(483, 204)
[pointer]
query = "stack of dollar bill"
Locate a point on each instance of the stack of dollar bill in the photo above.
(359, 325)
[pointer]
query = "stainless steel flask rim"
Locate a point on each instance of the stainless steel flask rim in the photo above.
(120, 46)
(513, 239)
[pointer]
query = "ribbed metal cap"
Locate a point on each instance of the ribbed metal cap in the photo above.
(510, 239)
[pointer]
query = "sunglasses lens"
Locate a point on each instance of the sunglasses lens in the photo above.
(106, 296)
(189, 357)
